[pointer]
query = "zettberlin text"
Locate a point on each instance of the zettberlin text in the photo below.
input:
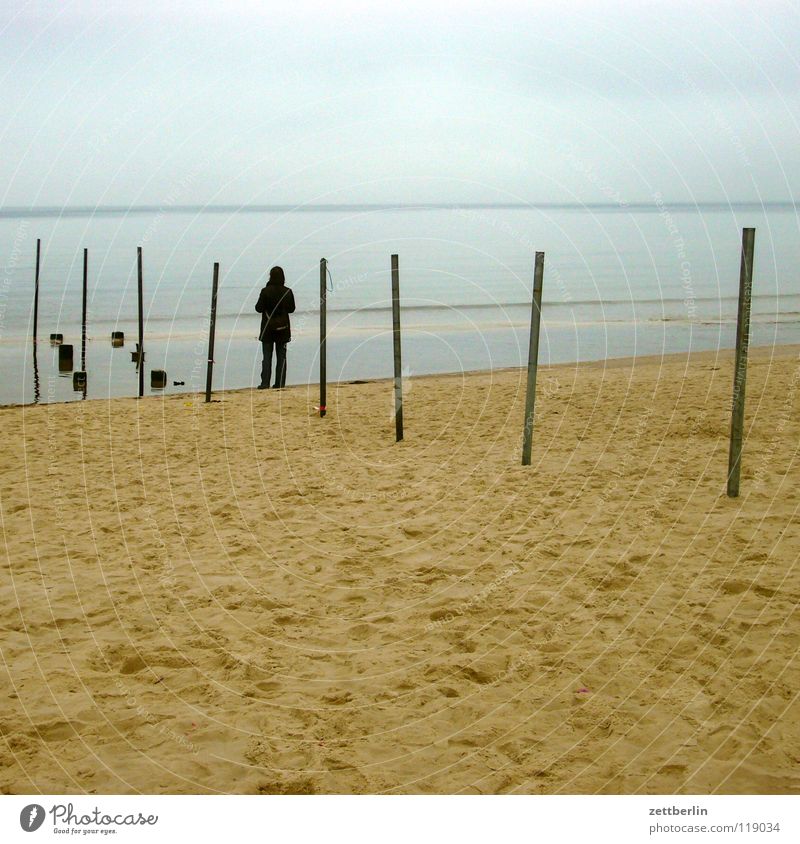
(677, 810)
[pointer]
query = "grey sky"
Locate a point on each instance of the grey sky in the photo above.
(243, 102)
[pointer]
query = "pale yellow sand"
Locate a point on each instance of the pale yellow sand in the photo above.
(241, 597)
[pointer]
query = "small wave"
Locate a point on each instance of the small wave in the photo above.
(471, 307)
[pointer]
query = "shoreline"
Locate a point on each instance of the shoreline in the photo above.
(603, 363)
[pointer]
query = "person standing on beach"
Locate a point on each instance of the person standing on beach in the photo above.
(275, 304)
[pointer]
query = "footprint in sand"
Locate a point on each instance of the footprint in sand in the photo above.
(287, 786)
(734, 587)
(337, 698)
(483, 678)
(447, 691)
(55, 731)
(360, 631)
(438, 615)
(132, 665)
(168, 659)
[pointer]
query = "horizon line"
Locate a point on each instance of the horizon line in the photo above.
(166, 208)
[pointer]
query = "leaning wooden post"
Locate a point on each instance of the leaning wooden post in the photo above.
(323, 332)
(211, 330)
(533, 358)
(83, 309)
(740, 372)
(398, 369)
(140, 355)
(36, 293)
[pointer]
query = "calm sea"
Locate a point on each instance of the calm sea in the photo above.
(618, 281)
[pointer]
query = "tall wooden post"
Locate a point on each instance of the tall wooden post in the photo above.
(140, 356)
(83, 309)
(36, 293)
(36, 392)
(398, 368)
(211, 330)
(533, 358)
(740, 372)
(323, 331)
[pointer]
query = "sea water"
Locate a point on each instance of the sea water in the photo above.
(619, 281)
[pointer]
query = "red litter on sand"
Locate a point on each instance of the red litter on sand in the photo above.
(581, 691)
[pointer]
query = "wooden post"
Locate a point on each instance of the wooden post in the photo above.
(323, 332)
(398, 369)
(211, 330)
(83, 309)
(65, 361)
(533, 358)
(740, 372)
(36, 391)
(36, 293)
(140, 356)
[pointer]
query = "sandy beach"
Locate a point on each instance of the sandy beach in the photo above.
(242, 597)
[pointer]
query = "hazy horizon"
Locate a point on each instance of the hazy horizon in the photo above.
(14, 211)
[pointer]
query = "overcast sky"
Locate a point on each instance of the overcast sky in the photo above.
(241, 102)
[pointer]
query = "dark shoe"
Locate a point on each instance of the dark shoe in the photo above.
(263, 386)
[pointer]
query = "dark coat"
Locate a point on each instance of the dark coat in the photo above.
(275, 304)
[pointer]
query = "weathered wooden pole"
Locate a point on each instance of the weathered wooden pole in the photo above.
(211, 330)
(36, 392)
(740, 371)
(140, 347)
(323, 332)
(533, 358)
(83, 309)
(36, 293)
(398, 368)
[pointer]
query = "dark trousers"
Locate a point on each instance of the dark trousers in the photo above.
(280, 363)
